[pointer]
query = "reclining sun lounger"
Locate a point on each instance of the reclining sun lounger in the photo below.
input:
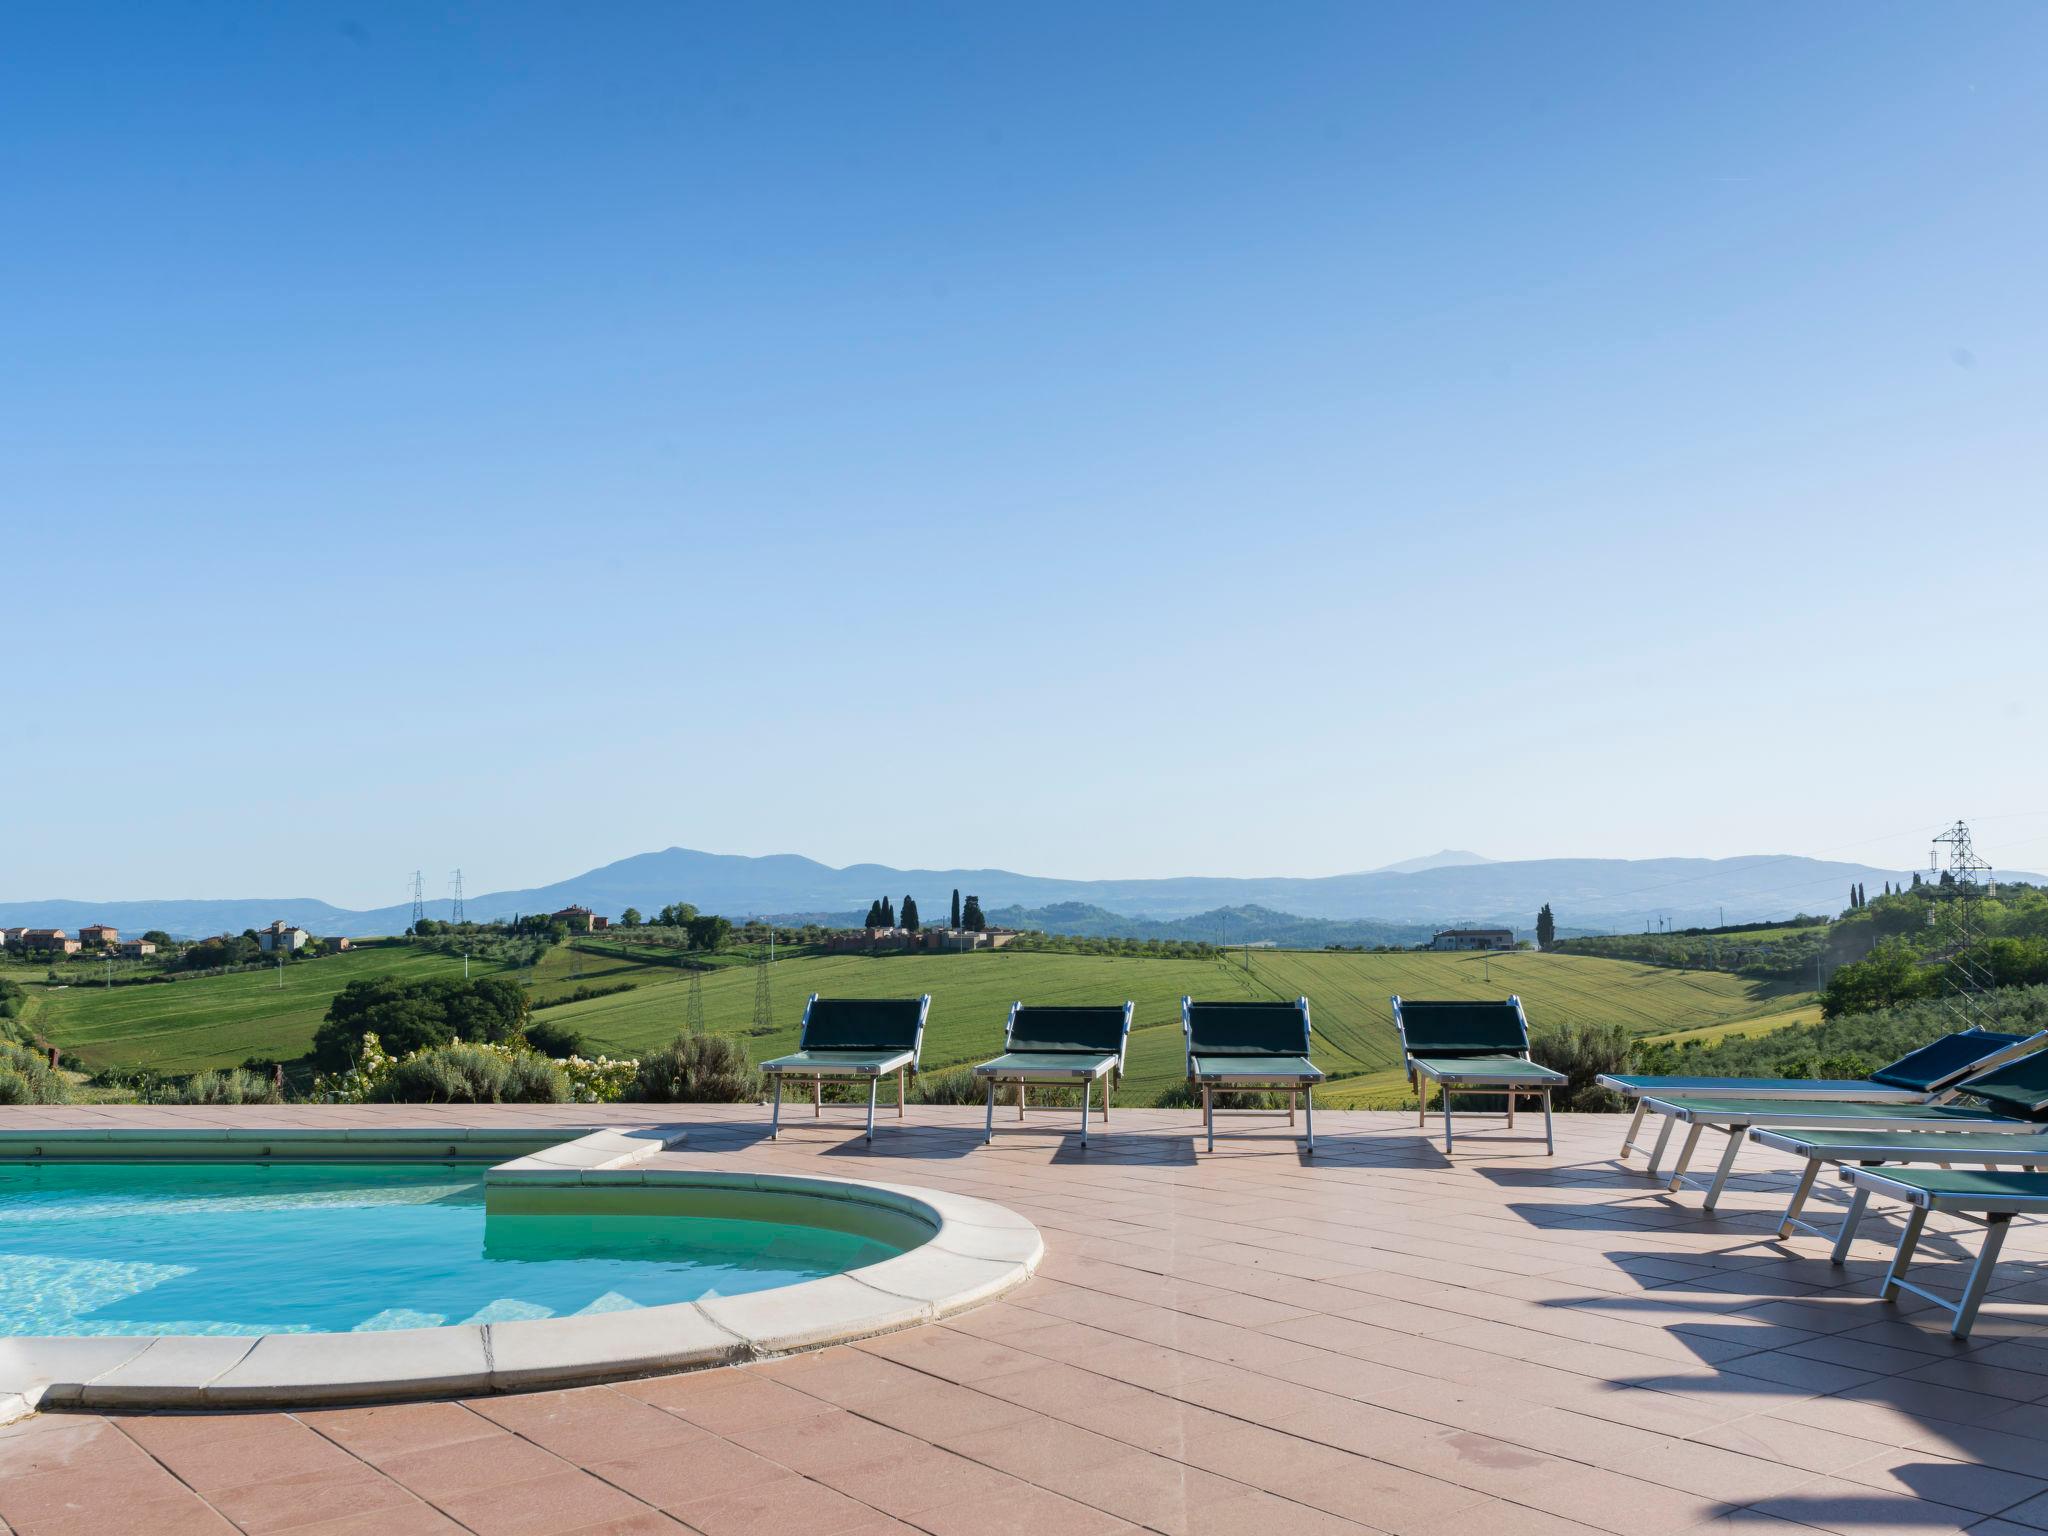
(856, 1037)
(1477, 1048)
(1989, 1197)
(1917, 1077)
(1064, 1046)
(1251, 1046)
(2013, 1096)
(1873, 1149)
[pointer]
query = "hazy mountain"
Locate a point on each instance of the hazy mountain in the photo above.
(1443, 858)
(1584, 893)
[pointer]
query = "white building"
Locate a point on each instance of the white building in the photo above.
(1474, 938)
(282, 935)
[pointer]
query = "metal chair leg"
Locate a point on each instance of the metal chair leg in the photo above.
(1727, 1165)
(1020, 1100)
(1996, 1224)
(1087, 1088)
(988, 1128)
(1549, 1140)
(817, 1098)
(1692, 1139)
(1858, 1204)
(1635, 1123)
(1908, 1241)
(1799, 1195)
(902, 1089)
(1308, 1115)
(874, 1086)
(775, 1119)
(1443, 1091)
(1209, 1113)
(1663, 1141)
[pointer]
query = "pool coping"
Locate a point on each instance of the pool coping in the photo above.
(977, 1251)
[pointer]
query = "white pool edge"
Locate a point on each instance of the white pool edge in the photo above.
(977, 1251)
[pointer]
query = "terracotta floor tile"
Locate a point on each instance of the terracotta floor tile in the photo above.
(792, 1504)
(901, 1485)
(589, 1423)
(706, 1468)
(545, 1506)
(308, 1498)
(263, 1450)
(1026, 1512)
(391, 1429)
(446, 1470)
(726, 1402)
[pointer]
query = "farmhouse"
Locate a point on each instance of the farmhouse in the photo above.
(582, 920)
(10, 938)
(282, 935)
(943, 940)
(99, 936)
(135, 949)
(1474, 938)
(53, 940)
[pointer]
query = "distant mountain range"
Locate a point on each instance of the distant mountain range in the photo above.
(1445, 888)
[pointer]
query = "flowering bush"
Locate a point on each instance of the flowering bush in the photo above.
(502, 1071)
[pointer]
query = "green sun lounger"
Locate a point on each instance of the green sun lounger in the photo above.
(2012, 1098)
(1989, 1197)
(1063, 1046)
(1873, 1149)
(852, 1037)
(1251, 1046)
(1474, 1048)
(1918, 1077)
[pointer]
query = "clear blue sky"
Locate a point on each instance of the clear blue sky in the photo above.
(1096, 439)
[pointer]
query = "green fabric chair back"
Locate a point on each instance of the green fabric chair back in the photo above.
(2017, 1088)
(1940, 1063)
(1462, 1029)
(1246, 1029)
(863, 1023)
(1084, 1031)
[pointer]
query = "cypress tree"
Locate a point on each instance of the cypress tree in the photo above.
(910, 913)
(874, 915)
(956, 907)
(888, 914)
(1546, 928)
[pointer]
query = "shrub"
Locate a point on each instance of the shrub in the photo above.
(697, 1069)
(233, 1086)
(472, 1074)
(955, 1085)
(552, 1039)
(26, 1078)
(1582, 1052)
(1188, 1096)
(410, 1016)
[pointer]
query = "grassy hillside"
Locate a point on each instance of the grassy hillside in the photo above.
(217, 1021)
(221, 1020)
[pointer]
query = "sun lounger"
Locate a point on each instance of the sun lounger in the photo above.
(1990, 1197)
(1476, 1048)
(1063, 1046)
(1918, 1077)
(852, 1037)
(1251, 1046)
(1873, 1149)
(2012, 1099)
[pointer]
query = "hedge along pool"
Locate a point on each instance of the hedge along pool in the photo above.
(153, 1248)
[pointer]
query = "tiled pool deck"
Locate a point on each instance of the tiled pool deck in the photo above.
(1243, 1342)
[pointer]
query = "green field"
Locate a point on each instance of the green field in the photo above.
(220, 1020)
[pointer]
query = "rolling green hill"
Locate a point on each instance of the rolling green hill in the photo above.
(220, 1020)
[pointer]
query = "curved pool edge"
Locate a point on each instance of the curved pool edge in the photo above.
(977, 1251)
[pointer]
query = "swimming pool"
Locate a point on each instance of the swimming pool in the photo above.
(154, 1248)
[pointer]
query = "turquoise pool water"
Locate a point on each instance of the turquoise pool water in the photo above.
(152, 1248)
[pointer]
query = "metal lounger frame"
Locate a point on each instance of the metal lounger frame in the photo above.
(924, 1008)
(1294, 1088)
(1878, 1094)
(1107, 1075)
(1875, 1153)
(1416, 1072)
(1737, 1129)
(1993, 1214)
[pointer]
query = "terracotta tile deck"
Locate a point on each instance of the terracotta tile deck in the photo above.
(1240, 1343)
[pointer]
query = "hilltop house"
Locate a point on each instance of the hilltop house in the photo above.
(582, 920)
(51, 940)
(1474, 938)
(99, 936)
(282, 935)
(10, 938)
(135, 949)
(942, 940)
